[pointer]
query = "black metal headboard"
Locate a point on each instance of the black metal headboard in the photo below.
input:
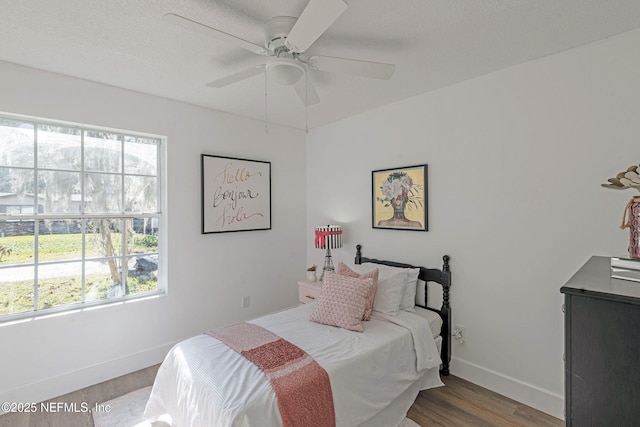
(442, 277)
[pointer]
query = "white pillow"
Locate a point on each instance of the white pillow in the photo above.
(408, 301)
(391, 284)
(409, 297)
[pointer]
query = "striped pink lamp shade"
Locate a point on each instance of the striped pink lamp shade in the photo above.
(328, 236)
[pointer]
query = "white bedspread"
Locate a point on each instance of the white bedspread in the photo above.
(204, 383)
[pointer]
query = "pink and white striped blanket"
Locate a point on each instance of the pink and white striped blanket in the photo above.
(301, 385)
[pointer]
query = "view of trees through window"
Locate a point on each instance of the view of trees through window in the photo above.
(79, 216)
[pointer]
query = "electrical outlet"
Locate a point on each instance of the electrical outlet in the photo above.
(459, 333)
(245, 301)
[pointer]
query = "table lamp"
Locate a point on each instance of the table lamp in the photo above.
(328, 237)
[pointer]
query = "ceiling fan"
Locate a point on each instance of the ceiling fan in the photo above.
(287, 39)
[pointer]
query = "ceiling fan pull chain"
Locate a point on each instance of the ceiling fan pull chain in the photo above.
(266, 126)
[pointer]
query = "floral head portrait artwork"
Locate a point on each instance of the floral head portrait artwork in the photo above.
(399, 190)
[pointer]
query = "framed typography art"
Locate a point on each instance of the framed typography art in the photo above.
(399, 198)
(236, 194)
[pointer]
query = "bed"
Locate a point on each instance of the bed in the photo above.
(374, 375)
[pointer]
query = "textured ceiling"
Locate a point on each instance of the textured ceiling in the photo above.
(434, 43)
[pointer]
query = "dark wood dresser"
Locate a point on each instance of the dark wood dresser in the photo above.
(602, 348)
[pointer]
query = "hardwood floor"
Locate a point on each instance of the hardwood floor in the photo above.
(463, 404)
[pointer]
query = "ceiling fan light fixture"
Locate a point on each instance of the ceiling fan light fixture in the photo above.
(284, 71)
(286, 41)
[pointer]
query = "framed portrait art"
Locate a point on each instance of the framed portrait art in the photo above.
(236, 194)
(399, 198)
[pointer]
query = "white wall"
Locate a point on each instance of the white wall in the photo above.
(516, 159)
(207, 274)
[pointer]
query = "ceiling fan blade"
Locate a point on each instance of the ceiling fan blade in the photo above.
(313, 22)
(376, 70)
(236, 77)
(191, 25)
(307, 95)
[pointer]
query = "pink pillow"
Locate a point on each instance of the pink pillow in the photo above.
(344, 270)
(341, 302)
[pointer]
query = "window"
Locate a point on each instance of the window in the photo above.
(80, 216)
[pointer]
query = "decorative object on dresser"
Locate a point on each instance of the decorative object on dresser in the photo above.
(328, 237)
(602, 350)
(631, 218)
(625, 269)
(399, 198)
(236, 194)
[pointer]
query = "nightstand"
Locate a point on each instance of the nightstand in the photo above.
(308, 291)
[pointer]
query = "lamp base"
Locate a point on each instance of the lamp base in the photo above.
(328, 263)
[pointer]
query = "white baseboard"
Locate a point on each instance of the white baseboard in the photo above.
(530, 395)
(84, 377)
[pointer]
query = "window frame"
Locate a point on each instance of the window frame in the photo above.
(37, 217)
